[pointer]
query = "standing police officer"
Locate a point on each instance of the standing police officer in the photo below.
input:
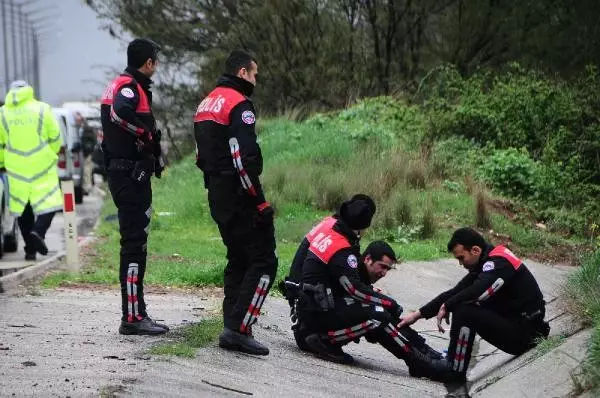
(131, 149)
(229, 156)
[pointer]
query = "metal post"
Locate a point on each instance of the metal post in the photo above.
(14, 37)
(5, 44)
(24, 61)
(36, 65)
(29, 58)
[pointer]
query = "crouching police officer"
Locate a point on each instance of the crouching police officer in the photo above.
(131, 148)
(336, 304)
(499, 299)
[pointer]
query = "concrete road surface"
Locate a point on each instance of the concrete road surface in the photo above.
(64, 343)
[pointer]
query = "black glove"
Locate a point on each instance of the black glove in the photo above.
(264, 215)
(397, 311)
(159, 166)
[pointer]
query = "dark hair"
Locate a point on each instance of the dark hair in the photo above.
(467, 237)
(139, 50)
(237, 60)
(377, 249)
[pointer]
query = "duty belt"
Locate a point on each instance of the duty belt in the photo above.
(121, 165)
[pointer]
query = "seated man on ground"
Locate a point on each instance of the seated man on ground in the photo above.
(499, 299)
(334, 302)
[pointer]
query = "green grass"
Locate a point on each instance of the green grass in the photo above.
(583, 290)
(310, 168)
(184, 341)
(544, 346)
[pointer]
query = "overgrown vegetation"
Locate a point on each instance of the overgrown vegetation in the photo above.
(184, 341)
(584, 293)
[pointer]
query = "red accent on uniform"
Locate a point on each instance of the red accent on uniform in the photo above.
(502, 251)
(132, 299)
(406, 348)
(459, 357)
(114, 87)
(69, 203)
(130, 318)
(386, 303)
(263, 206)
(218, 105)
(330, 241)
(349, 333)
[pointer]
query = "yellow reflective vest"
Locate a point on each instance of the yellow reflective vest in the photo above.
(29, 144)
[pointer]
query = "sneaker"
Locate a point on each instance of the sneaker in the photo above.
(327, 351)
(143, 327)
(160, 325)
(236, 341)
(39, 243)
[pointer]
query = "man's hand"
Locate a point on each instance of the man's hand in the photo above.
(442, 314)
(409, 319)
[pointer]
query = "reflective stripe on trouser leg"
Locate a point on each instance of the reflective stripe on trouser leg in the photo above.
(132, 299)
(347, 334)
(395, 335)
(461, 349)
(257, 301)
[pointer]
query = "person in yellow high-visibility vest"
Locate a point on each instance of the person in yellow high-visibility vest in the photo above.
(29, 144)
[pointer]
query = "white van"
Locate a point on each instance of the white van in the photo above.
(70, 157)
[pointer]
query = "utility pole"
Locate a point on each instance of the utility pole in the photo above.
(13, 37)
(36, 65)
(5, 44)
(24, 60)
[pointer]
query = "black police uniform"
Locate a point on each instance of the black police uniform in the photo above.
(301, 330)
(500, 300)
(231, 160)
(357, 309)
(129, 146)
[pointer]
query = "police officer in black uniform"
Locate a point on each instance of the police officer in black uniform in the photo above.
(231, 160)
(499, 299)
(131, 148)
(376, 260)
(335, 301)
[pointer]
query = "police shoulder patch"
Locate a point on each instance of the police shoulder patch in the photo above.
(352, 261)
(248, 117)
(488, 266)
(127, 92)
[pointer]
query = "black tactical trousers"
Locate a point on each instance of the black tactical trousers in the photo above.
(350, 322)
(511, 335)
(251, 259)
(28, 223)
(134, 204)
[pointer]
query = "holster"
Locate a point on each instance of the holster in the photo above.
(142, 170)
(319, 296)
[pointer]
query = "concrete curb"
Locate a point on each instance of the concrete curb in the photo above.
(11, 281)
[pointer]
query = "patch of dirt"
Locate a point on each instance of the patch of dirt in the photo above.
(206, 291)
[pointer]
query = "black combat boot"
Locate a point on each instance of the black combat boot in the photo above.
(143, 327)
(160, 325)
(327, 351)
(236, 341)
(440, 370)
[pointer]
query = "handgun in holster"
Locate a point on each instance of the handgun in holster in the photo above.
(318, 294)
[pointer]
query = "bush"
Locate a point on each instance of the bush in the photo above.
(511, 171)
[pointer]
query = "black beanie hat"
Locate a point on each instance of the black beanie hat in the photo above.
(139, 50)
(358, 212)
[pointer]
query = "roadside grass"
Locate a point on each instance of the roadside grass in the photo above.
(184, 341)
(422, 195)
(583, 291)
(544, 346)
